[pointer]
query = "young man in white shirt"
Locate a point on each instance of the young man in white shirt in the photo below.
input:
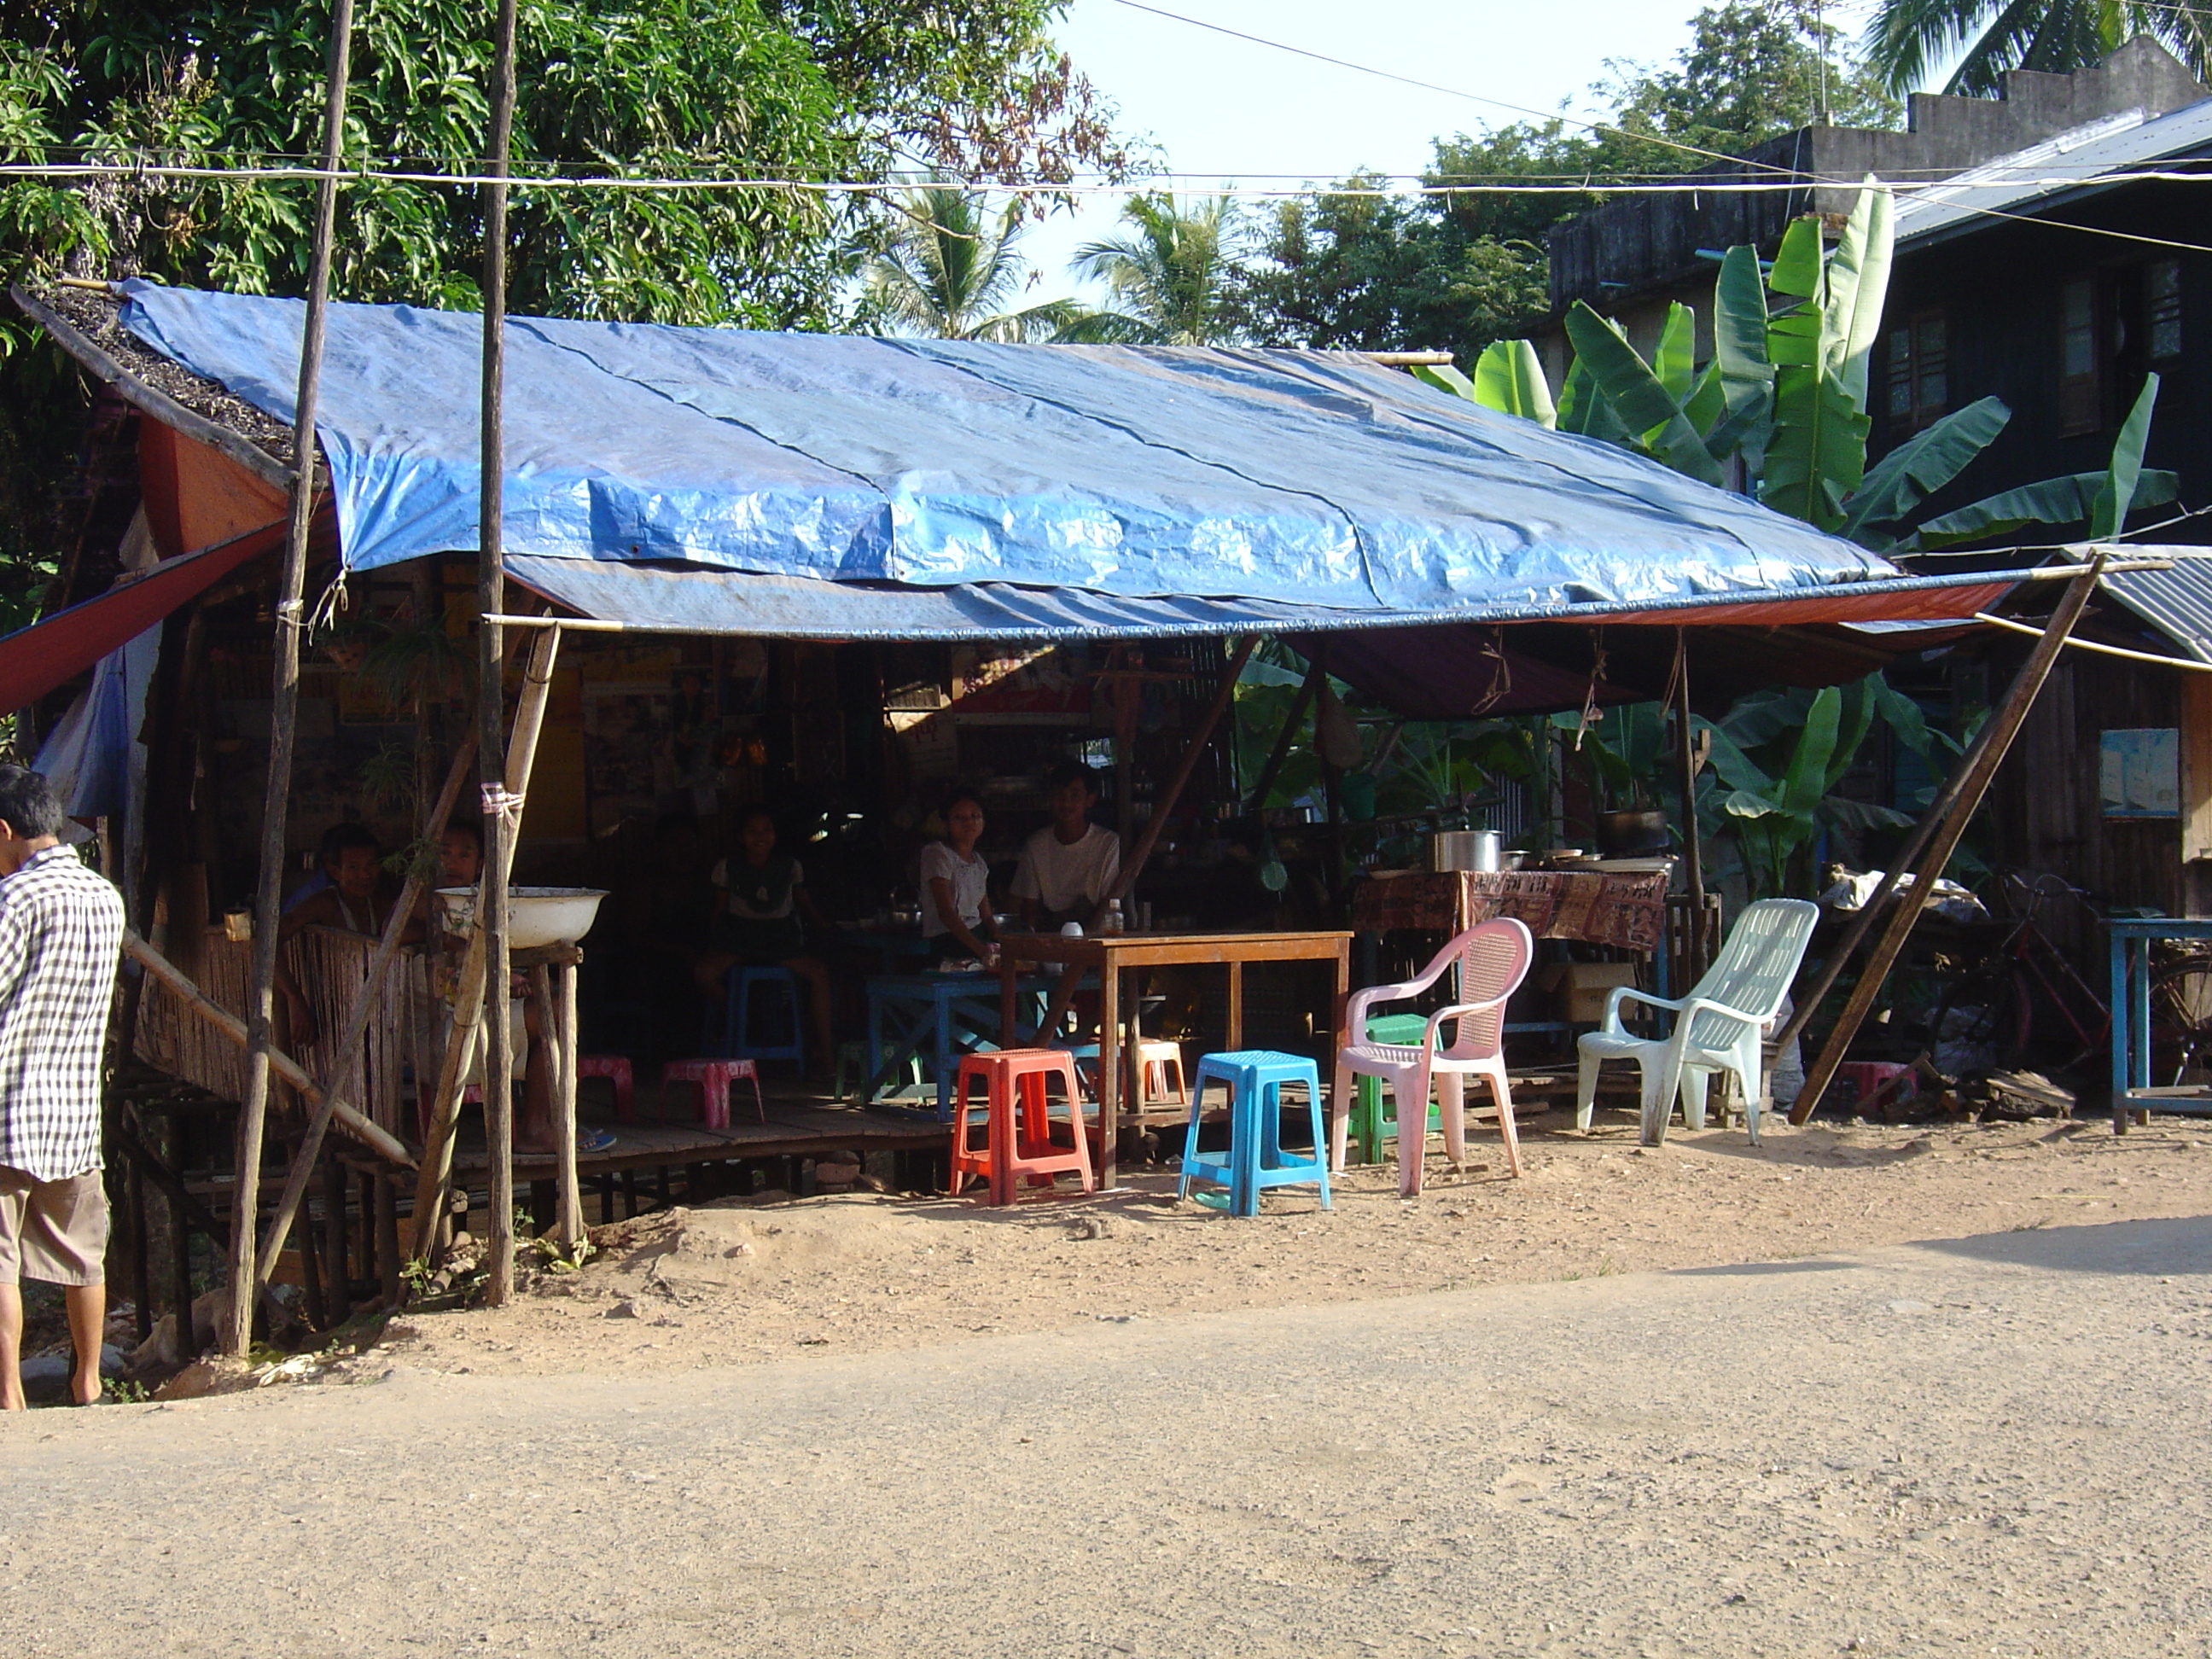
(1069, 866)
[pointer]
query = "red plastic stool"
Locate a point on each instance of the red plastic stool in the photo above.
(617, 1067)
(1020, 1139)
(714, 1079)
(1874, 1082)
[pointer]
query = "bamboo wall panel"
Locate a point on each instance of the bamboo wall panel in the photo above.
(404, 1040)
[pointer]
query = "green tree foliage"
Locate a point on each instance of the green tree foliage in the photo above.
(743, 88)
(1172, 274)
(949, 265)
(1909, 39)
(1455, 272)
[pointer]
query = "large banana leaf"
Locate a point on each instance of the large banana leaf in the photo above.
(1509, 376)
(1740, 328)
(1584, 408)
(1445, 378)
(1798, 266)
(1816, 453)
(2068, 499)
(1859, 283)
(1923, 464)
(1807, 779)
(1675, 363)
(2108, 514)
(1643, 405)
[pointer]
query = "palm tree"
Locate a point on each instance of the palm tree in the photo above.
(949, 268)
(1172, 277)
(1909, 39)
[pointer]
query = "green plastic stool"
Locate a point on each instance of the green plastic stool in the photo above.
(853, 1062)
(1370, 1122)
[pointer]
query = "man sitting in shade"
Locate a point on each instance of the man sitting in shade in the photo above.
(1068, 867)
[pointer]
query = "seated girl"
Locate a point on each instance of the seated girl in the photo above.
(955, 898)
(763, 900)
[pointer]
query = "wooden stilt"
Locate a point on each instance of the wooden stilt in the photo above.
(283, 713)
(2003, 724)
(569, 1213)
(346, 1068)
(387, 1240)
(336, 1255)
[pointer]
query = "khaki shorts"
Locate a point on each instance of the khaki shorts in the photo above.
(54, 1230)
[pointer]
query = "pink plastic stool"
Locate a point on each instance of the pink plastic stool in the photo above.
(714, 1079)
(616, 1067)
(1871, 1080)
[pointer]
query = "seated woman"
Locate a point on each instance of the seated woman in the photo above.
(351, 901)
(763, 901)
(955, 898)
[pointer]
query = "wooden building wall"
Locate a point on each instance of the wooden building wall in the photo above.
(2045, 814)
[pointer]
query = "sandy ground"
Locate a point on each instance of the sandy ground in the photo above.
(742, 1282)
(1990, 1445)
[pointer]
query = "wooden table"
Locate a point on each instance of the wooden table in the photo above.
(1111, 954)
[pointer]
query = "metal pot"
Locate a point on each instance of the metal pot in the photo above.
(1464, 849)
(1624, 834)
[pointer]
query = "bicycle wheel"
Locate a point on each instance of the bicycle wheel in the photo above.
(1981, 1022)
(2181, 1022)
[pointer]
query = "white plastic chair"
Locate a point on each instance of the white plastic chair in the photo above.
(1492, 959)
(1717, 1026)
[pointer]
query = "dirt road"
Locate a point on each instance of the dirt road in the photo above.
(1994, 1445)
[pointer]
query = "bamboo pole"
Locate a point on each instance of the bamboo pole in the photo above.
(469, 1024)
(2002, 727)
(284, 699)
(1284, 739)
(347, 1066)
(363, 1129)
(500, 824)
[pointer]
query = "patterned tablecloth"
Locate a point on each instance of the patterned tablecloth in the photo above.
(1620, 908)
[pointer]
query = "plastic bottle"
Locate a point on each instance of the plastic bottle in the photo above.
(1113, 923)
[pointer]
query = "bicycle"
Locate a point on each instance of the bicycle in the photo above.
(1986, 1019)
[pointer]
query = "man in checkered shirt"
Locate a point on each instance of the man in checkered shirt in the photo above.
(61, 926)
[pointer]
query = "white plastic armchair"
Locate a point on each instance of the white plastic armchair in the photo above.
(1492, 959)
(1717, 1026)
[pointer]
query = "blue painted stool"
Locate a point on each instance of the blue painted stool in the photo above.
(735, 1040)
(1255, 1158)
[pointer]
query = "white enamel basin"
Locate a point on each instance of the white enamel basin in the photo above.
(535, 916)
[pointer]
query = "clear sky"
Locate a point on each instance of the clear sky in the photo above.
(1222, 107)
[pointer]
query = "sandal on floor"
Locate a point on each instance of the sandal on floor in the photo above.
(593, 1140)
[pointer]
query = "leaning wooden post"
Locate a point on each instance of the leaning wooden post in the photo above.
(501, 823)
(469, 1024)
(346, 1067)
(284, 701)
(1288, 736)
(1693, 861)
(2004, 726)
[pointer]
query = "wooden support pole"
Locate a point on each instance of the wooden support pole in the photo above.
(363, 1129)
(570, 1217)
(500, 824)
(2002, 726)
(469, 1024)
(346, 1067)
(284, 701)
(1693, 861)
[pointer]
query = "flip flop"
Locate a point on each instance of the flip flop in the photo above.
(593, 1140)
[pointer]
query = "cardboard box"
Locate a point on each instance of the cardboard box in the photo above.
(1580, 989)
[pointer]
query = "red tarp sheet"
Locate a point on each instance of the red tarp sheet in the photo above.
(34, 660)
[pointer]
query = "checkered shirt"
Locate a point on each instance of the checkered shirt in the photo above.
(61, 928)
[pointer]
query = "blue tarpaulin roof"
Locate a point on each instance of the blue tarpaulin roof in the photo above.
(1034, 489)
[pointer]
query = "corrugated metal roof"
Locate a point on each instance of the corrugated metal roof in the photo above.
(2099, 147)
(2177, 602)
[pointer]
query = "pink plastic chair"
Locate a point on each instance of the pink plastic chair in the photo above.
(716, 1078)
(615, 1067)
(1493, 959)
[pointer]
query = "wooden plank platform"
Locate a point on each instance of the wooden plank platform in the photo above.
(791, 1130)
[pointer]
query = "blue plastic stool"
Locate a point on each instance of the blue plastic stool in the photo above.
(736, 1040)
(1255, 1158)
